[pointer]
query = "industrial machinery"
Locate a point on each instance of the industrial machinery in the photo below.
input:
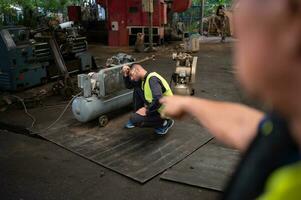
(72, 46)
(127, 18)
(185, 74)
(30, 57)
(23, 61)
(120, 58)
(102, 92)
(64, 85)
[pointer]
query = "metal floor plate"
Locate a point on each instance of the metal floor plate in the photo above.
(137, 153)
(209, 167)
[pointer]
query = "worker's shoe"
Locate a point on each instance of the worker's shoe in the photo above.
(129, 125)
(166, 126)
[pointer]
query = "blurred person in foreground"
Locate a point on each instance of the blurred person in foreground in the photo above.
(268, 60)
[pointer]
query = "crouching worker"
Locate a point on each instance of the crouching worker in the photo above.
(149, 88)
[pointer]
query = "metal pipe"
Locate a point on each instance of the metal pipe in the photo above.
(58, 58)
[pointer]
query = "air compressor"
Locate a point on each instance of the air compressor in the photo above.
(102, 93)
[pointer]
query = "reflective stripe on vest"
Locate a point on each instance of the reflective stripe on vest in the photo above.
(148, 92)
(284, 183)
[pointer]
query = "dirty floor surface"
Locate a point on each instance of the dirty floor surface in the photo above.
(33, 168)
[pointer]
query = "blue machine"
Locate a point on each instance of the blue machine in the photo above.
(20, 66)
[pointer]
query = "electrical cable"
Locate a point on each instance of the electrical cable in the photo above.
(25, 110)
(61, 115)
(34, 119)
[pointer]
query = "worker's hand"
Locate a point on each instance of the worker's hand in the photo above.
(173, 106)
(141, 111)
(126, 70)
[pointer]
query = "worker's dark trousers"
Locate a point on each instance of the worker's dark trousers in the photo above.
(154, 120)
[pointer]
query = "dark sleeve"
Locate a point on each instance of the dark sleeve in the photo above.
(129, 84)
(156, 88)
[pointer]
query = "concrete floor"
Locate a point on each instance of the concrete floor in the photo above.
(36, 169)
(32, 168)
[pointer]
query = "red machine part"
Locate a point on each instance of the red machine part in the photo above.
(103, 3)
(132, 12)
(125, 14)
(181, 5)
(118, 33)
(136, 17)
(74, 13)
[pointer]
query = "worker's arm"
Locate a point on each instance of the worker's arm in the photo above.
(129, 84)
(231, 123)
(156, 88)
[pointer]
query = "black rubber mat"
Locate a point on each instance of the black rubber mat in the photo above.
(209, 167)
(137, 153)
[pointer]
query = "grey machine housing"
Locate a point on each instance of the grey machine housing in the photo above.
(102, 92)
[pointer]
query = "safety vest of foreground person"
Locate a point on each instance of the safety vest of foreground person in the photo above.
(284, 183)
(271, 167)
(148, 92)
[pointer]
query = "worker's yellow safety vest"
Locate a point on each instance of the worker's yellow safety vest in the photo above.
(284, 183)
(148, 92)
